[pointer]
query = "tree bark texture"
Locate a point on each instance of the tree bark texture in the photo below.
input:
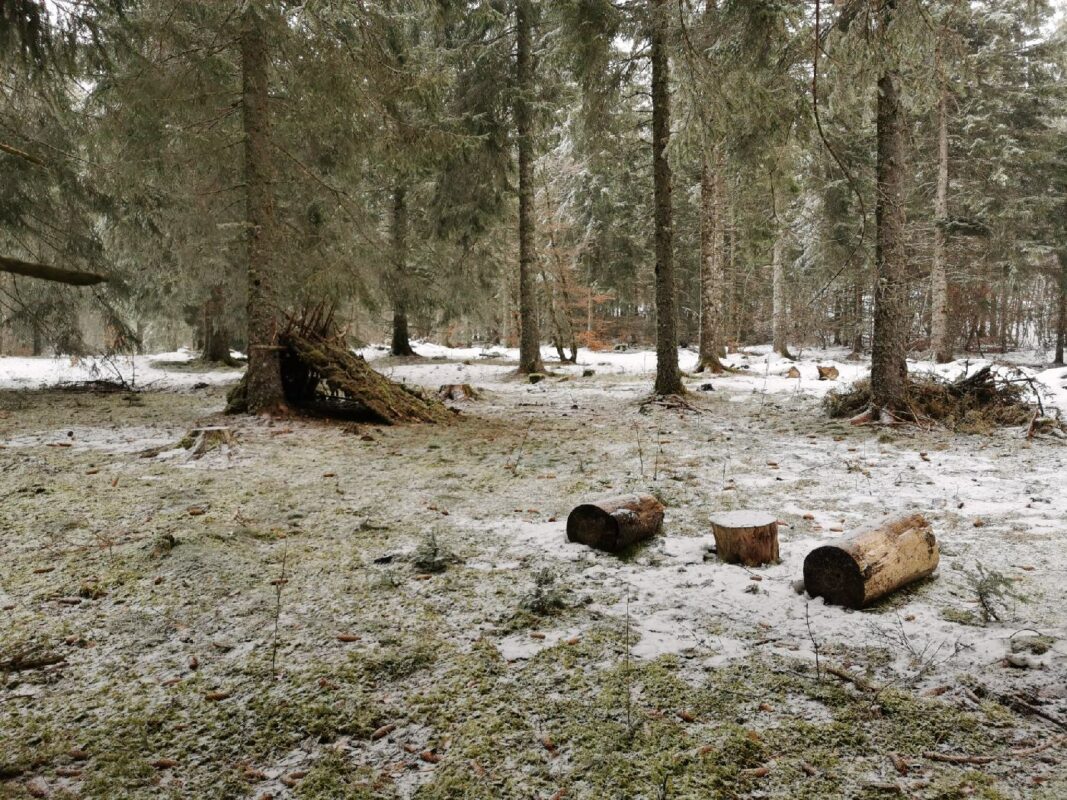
(746, 537)
(939, 341)
(712, 267)
(1061, 316)
(529, 336)
(889, 369)
(779, 313)
(668, 375)
(615, 523)
(263, 377)
(216, 334)
(44, 272)
(872, 562)
(401, 345)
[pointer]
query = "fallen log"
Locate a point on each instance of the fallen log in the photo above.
(47, 273)
(746, 537)
(872, 562)
(615, 523)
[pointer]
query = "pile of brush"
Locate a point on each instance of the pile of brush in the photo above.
(975, 403)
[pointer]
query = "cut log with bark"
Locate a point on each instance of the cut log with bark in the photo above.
(46, 273)
(615, 523)
(746, 537)
(872, 562)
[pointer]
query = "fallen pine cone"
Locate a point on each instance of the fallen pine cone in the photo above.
(215, 697)
(293, 778)
(382, 732)
(348, 637)
(429, 756)
(899, 764)
(758, 772)
(164, 763)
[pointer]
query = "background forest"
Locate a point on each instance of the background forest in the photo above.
(440, 251)
(398, 146)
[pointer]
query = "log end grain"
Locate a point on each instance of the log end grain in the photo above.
(615, 523)
(832, 574)
(746, 537)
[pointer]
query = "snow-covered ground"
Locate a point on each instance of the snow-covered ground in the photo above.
(761, 370)
(156, 371)
(457, 662)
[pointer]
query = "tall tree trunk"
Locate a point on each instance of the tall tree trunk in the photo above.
(529, 338)
(216, 335)
(779, 314)
(263, 377)
(712, 267)
(1061, 316)
(668, 376)
(857, 317)
(889, 367)
(939, 341)
(401, 283)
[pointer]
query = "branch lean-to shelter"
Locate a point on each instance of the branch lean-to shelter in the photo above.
(321, 376)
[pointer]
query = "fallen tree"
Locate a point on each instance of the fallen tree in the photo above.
(322, 376)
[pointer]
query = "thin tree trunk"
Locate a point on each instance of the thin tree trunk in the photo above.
(216, 335)
(712, 268)
(939, 341)
(889, 367)
(668, 376)
(857, 317)
(529, 338)
(779, 321)
(401, 345)
(263, 377)
(1061, 316)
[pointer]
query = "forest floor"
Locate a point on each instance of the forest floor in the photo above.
(265, 620)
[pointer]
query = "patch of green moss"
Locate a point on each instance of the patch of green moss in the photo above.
(334, 778)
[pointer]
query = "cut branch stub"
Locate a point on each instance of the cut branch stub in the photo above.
(872, 562)
(746, 537)
(615, 523)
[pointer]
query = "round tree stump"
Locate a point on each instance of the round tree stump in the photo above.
(872, 562)
(746, 537)
(615, 523)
